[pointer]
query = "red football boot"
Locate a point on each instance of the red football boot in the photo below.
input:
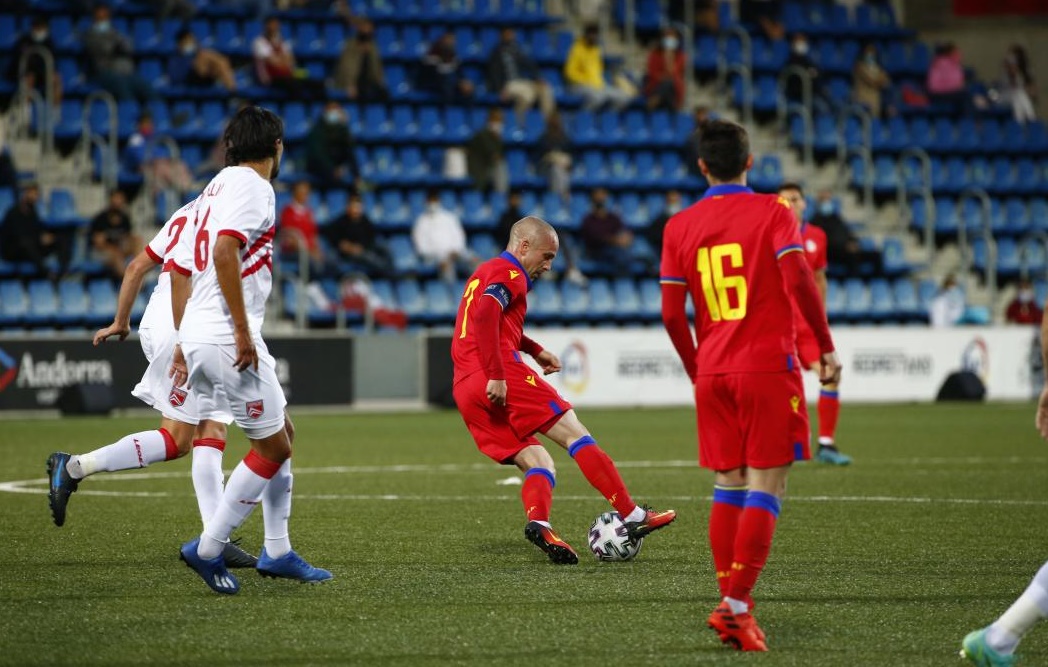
(652, 521)
(559, 551)
(737, 630)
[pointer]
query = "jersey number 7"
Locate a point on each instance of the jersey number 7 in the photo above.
(717, 287)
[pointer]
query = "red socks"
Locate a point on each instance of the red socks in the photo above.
(537, 494)
(728, 503)
(752, 542)
(600, 471)
(829, 411)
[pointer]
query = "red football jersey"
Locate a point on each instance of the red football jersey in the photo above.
(725, 249)
(501, 278)
(814, 240)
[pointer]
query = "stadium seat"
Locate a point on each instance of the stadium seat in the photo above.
(14, 303)
(61, 209)
(857, 300)
(894, 258)
(544, 304)
(907, 305)
(882, 303)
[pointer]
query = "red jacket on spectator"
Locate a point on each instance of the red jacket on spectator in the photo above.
(662, 65)
(298, 217)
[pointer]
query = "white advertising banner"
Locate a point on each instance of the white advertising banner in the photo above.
(634, 367)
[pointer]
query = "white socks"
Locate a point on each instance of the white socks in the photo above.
(207, 479)
(240, 497)
(1032, 606)
(637, 514)
(276, 509)
(737, 606)
(132, 451)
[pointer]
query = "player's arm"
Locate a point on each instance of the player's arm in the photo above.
(181, 286)
(1042, 405)
(130, 286)
(800, 281)
(675, 319)
(227, 268)
(821, 285)
(549, 362)
(486, 315)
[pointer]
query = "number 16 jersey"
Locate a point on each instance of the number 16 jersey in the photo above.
(238, 203)
(725, 249)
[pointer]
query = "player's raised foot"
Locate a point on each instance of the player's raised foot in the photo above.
(61, 485)
(737, 630)
(212, 570)
(833, 456)
(235, 557)
(545, 538)
(652, 521)
(290, 566)
(978, 652)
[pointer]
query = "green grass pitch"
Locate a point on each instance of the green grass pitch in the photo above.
(936, 528)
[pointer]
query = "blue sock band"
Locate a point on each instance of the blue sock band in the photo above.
(764, 501)
(541, 471)
(584, 441)
(828, 393)
(729, 496)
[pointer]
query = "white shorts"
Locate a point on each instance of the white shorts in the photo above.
(157, 389)
(255, 399)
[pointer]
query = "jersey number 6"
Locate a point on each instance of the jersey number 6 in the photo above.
(202, 244)
(716, 286)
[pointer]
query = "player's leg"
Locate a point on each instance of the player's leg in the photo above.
(537, 495)
(995, 645)
(600, 471)
(829, 408)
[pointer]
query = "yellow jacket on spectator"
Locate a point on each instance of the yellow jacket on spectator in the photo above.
(584, 66)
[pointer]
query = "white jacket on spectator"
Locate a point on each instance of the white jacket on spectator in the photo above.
(438, 235)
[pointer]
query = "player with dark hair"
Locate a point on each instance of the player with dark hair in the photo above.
(230, 253)
(504, 402)
(829, 407)
(739, 255)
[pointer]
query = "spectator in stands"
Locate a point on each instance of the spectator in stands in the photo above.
(1017, 86)
(331, 150)
(554, 156)
(584, 72)
(146, 155)
(664, 78)
(439, 239)
(37, 37)
(113, 243)
(275, 65)
(1024, 309)
(607, 239)
(766, 15)
(691, 144)
(842, 245)
(23, 237)
(194, 66)
(654, 231)
(440, 71)
(110, 59)
(359, 71)
(353, 236)
(8, 173)
(509, 217)
(707, 20)
(298, 228)
(486, 155)
(946, 84)
(800, 57)
(513, 75)
(946, 308)
(869, 80)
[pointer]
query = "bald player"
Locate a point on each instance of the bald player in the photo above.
(504, 403)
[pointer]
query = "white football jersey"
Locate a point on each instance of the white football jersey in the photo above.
(162, 249)
(238, 203)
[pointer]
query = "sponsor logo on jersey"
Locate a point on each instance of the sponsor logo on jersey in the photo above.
(177, 397)
(255, 409)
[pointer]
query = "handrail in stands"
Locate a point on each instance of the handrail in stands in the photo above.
(722, 45)
(867, 182)
(902, 192)
(46, 130)
(747, 90)
(783, 108)
(108, 144)
(987, 233)
(866, 121)
(1024, 269)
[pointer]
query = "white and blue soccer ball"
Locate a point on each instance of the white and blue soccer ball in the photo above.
(609, 541)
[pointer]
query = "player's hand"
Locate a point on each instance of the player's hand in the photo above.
(549, 362)
(497, 391)
(114, 329)
(247, 355)
(829, 368)
(1042, 414)
(179, 372)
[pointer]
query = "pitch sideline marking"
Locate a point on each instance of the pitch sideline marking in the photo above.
(29, 485)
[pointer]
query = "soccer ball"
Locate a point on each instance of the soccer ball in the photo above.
(608, 539)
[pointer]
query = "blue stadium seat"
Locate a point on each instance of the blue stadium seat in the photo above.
(907, 304)
(441, 304)
(894, 257)
(61, 209)
(72, 303)
(1016, 216)
(14, 303)
(627, 299)
(574, 301)
(835, 303)
(411, 299)
(404, 258)
(946, 219)
(767, 174)
(857, 300)
(544, 306)
(885, 178)
(1039, 214)
(882, 303)
(765, 94)
(102, 296)
(1032, 257)
(650, 299)
(601, 301)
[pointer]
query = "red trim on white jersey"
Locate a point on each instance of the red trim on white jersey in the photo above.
(153, 256)
(234, 233)
(171, 266)
(261, 242)
(265, 262)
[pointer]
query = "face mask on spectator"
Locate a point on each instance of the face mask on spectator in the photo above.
(826, 207)
(669, 43)
(333, 116)
(800, 48)
(496, 128)
(39, 35)
(433, 206)
(189, 49)
(673, 208)
(871, 59)
(1026, 295)
(102, 26)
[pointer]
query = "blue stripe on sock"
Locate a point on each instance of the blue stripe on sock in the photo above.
(736, 497)
(764, 501)
(828, 393)
(584, 441)
(541, 471)
(798, 451)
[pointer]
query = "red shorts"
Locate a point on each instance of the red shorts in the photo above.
(808, 349)
(757, 420)
(502, 431)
